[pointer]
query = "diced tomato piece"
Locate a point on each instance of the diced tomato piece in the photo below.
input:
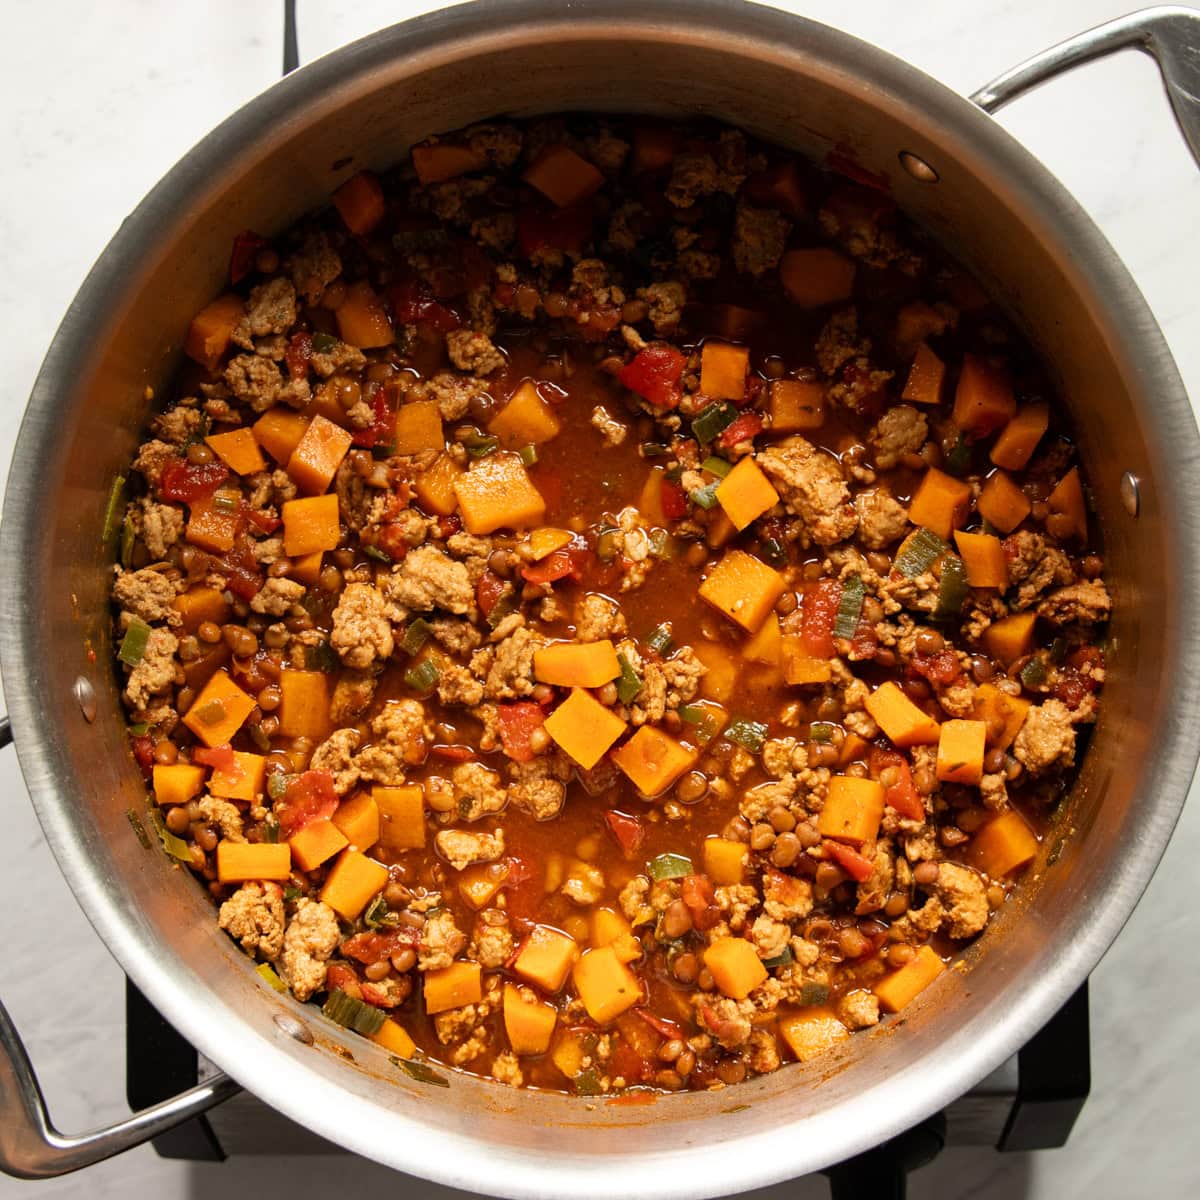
(654, 373)
(556, 565)
(675, 504)
(220, 758)
(261, 521)
(698, 894)
(342, 976)
(941, 669)
(778, 187)
(523, 889)
(627, 1062)
(902, 795)
(628, 831)
(413, 305)
(842, 161)
(865, 641)
(241, 570)
(452, 753)
(368, 948)
(246, 246)
(143, 753)
(744, 427)
(853, 863)
(661, 1025)
(309, 797)
(820, 607)
(189, 482)
(517, 722)
(488, 590)
(567, 229)
(299, 351)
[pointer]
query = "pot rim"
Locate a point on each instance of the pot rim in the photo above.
(695, 1170)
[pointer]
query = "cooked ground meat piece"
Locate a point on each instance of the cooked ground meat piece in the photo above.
(882, 519)
(812, 489)
(362, 626)
(310, 938)
(900, 431)
(428, 579)
(253, 916)
(147, 594)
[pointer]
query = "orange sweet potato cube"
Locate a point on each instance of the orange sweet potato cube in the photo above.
(211, 527)
(816, 277)
(799, 666)
(453, 986)
(723, 370)
(200, 604)
(359, 202)
(562, 176)
(576, 664)
(177, 783)
(479, 884)
(795, 405)
(435, 486)
(744, 588)
(736, 968)
(279, 430)
(310, 525)
(811, 1033)
(394, 1038)
(584, 728)
(984, 399)
(526, 420)
(1019, 438)
(218, 712)
(1067, 500)
(435, 162)
(304, 708)
(497, 493)
(1011, 637)
(766, 646)
(361, 318)
(359, 819)
(960, 751)
(306, 568)
(546, 957)
(983, 558)
(528, 1023)
(605, 984)
(238, 450)
(1002, 845)
(1002, 504)
(353, 881)
(746, 493)
(900, 988)
(721, 671)
(725, 861)
(401, 816)
(1003, 714)
(317, 456)
(316, 843)
(853, 809)
(653, 760)
(925, 378)
(244, 781)
(211, 330)
(419, 427)
(238, 862)
(940, 502)
(900, 718)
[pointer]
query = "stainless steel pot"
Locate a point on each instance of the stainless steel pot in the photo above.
(799, 84)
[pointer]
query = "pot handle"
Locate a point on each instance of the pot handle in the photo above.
(1169, 34)
(31, 1147)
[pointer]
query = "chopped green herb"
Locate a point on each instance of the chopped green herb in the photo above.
(507, 602)
(849, 611)
(378, 915)
(710, 421)
(138, 828)
(918, 553)
(351, 1013)
(270, 830)
(747, 733)
(606, 543)
(705, 496)
(211, 713)
(654, 450)
(416, 635)
(376, 553)
(1033, 673)
(423, 676)
(1058, 649)
(128, 537)
(670, 866)
(952, 588)
(773, 550)
(133, 644)
(958, 461)
(112, 507)
(321, 657)
(720, 467)
(780, 960)
(629, 683)
(587, 1082)
(813, 993)
(660, 639)
(421, 1072)
(662, 544)
(227, 500)
(140, 728)
(267, 973)
(259, 738)
(291, 894)
(323, 343)
(820, 731)
(528, 455)
(478, 445)
(176, 847)
(705, 721)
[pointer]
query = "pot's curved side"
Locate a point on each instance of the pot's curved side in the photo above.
(800, 84)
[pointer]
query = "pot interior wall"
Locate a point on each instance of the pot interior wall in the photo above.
(799, 86)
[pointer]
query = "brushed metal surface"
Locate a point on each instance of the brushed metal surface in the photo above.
(805, 86)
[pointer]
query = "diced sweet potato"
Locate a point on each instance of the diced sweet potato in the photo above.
(609, 928)
(562, 176)
(497, 493)
(544, 541)
(1067, 500)
(306, 568)
(799, 665)
(359, 819)
(402, 816)
(238, 862)
(478, 885)
(816, 277)
(238, 450)
(218, 712)
(353, 881)
(744, 588)
(1002, 845)
(654, 147)
(852, 810)
(310, 525)
(721, 671)
(940, 502)
(317, 456)
(526, 420)
(653, 760)
(1003, 714)
(576, 664)
(984, 399)
(528, 1023)
(211, 527)
(796, 404)
(1001, 503)
(177, 783)
(725, 861)
(605, 984)
(244, 781)
(304, 708)
(211, 330)
(545, 957)
(960, 751)
(435, 486)
(393, 1037)
(925, 378)
(746, 493)
(361, 318)
(584, 728)
(453, 986)
(435, 162)
(1019, 438)
(736, 968)
(279, 430)
(199, 604)
(900, 988)
(1010, 638)
(766, 646)
(316, 843)
(983, 558)
(419, 427)
(903, 722)
(359, 202)
(811, 1033)
(723, 370)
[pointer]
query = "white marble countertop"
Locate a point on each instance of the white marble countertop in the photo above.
(98, 100)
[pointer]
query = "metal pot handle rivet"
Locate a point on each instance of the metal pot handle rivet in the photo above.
(1169, 34)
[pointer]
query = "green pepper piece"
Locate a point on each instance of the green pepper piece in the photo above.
(323, 343)
(705, 496)
(133, 644)
(670, 866)
(820, 731)
(416, 635)
(1033, 673)
(321, 657)
(528, 455)
(849, 611)
(375, 552)
(629, 683)
(352, 1014)
(111, 508)
(423, 676)
(128, 537)
(952, 588)
(176, 847)
(606, 543)
(780, 960)
(958, 461)
(747, 733)
(421, 1072)
(654, 450)
(918, 552)
(711, 420)
(267, 974)
(660, 639)
(720, 467)
(479, 445)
